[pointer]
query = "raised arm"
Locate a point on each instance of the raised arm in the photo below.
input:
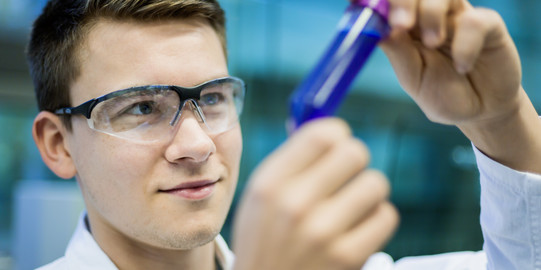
(461, 67)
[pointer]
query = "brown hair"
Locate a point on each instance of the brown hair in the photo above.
(61, 28)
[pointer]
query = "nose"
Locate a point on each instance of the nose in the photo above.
(190, 141)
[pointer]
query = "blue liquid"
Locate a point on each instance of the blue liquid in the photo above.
(323, 90)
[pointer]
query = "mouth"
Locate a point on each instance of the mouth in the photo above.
(196, 190)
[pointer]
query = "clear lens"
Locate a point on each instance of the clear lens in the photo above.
(221, 105)
(136, 115)
(149, 113)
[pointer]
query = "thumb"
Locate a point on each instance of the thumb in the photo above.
(405, 58)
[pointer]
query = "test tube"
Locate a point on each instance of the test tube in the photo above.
(363, 25)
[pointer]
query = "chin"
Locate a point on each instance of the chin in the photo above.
(187, 238)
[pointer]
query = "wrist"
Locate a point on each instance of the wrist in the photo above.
(511, 137)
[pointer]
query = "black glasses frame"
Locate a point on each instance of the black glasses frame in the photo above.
(184, 94)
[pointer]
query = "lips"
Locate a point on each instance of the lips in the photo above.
(196, 190)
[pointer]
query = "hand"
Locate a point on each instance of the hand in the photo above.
(461, 67)
(457, 62)
(312, 204)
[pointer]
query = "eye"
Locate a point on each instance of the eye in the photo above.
(142, 108)
(212, 98)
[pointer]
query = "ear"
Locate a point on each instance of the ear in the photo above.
(50, 136)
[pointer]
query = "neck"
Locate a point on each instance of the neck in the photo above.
(128, 253)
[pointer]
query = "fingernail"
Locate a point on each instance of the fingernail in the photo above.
(431, 38)
(400, 17)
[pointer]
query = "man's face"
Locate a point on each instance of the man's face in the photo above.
(129, 187)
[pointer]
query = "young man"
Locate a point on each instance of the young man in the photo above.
(137, 104)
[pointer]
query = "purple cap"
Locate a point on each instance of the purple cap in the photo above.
(380, 6)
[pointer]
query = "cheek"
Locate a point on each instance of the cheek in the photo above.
(111, 171)
(229, 149)
(116, 162)
(229, 145)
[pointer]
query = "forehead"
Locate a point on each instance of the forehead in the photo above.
(122, 54)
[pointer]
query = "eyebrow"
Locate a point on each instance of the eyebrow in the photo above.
(130, 94)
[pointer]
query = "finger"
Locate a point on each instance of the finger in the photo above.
(302, 149)
(269, 188)
(475, 30)
(301, 197)
(345, 209)
(337, 215)
(332, 171)
(434, 17)
(405, 58)
(402, 14)
(432, 21)
(354, 248)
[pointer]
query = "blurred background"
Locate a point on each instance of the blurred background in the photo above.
(272, 45)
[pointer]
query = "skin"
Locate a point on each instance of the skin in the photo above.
(296, 212)
(137, 225)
